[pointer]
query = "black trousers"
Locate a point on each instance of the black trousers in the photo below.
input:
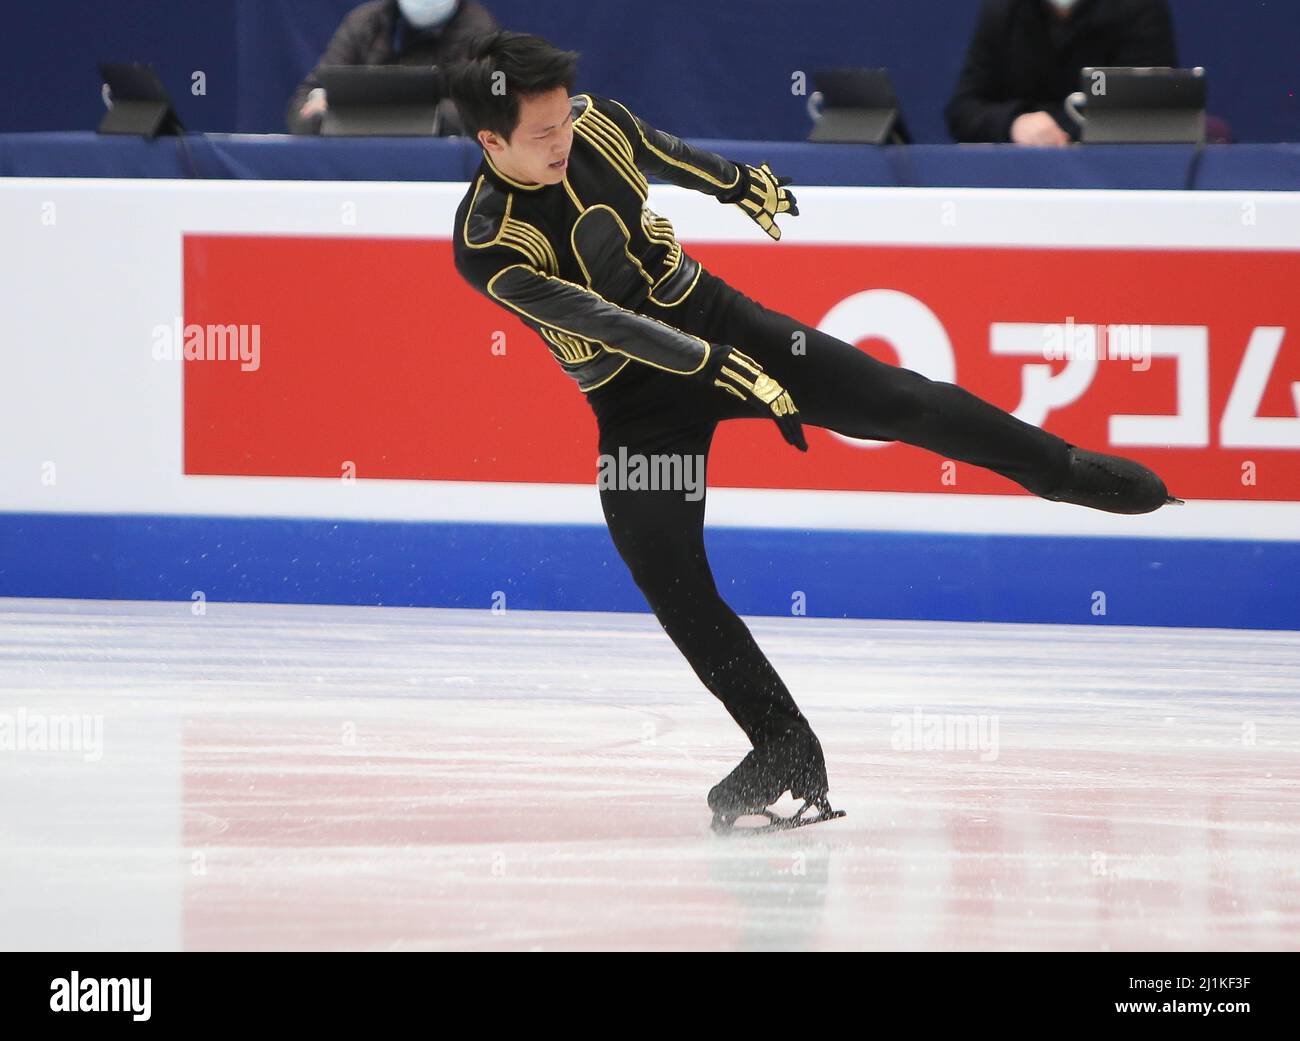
(660, 533)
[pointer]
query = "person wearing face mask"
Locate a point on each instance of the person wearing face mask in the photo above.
(1025, 58)
(393, 32)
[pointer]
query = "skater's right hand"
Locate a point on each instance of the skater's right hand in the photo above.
(740, 375)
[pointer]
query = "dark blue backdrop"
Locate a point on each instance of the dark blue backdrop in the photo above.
(703, 68)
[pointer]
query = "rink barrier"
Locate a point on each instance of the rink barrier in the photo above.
(574, 567)
(401, 448)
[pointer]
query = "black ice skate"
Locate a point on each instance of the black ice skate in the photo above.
(790, 763)
(1111, 483)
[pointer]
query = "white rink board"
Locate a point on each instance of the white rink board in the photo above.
(81, 296)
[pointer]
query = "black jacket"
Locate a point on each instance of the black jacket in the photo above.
(367, 36)
(575, 260)
(1023, 58)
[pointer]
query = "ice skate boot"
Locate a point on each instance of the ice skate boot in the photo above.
(1111, 483)
(792, 762)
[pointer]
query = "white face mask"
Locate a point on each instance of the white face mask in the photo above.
(426, 14)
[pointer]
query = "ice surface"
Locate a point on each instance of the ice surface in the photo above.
(278, 777)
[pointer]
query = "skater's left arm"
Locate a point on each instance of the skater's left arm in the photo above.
(755, 189)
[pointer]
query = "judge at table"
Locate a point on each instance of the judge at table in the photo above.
(393, 32)
(1025, 59)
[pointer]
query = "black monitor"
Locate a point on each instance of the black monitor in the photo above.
(1140, 105)
(137, 100)
(381, 100)
(857, 106)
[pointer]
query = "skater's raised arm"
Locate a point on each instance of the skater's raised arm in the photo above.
(755, 189)
(673, 160)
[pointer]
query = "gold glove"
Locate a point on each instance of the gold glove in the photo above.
(742, 376)
(764, 196)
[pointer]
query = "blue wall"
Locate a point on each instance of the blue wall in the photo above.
(703, 68)
(994, 578)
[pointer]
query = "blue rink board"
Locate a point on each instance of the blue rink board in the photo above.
(999, 578)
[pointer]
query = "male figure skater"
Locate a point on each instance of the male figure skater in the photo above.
(555, 228)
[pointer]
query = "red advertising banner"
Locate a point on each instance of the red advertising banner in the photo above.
(372, 354)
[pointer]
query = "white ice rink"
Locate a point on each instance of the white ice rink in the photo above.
(275, 777)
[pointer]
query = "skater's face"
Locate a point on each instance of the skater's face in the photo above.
(538, 150)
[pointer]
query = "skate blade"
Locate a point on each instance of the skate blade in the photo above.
(724, 825)
(1171, 501)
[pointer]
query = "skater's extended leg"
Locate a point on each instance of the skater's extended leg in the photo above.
(844, 389)
(839, 387)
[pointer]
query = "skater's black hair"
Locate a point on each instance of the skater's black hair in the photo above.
(501, 68)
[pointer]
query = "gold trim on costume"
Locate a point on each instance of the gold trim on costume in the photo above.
(572, 350)
(701, 174)
(607, 138)
(708, 348)
(519, 235)
(685, 293)
(572, 194)
(627, 241)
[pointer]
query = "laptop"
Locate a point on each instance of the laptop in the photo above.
(381, 100)
(856, 106)
(1141, 105)
(138, 101)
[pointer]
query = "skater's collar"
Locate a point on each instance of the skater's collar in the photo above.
(510, 180)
